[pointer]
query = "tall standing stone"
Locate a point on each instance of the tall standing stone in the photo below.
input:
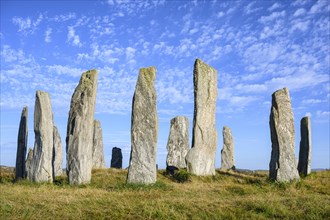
(178, 142)
(283, 164)
(116, 158)
(21, 145)
(57, 153)
(79, 139)
(201, 157)
(98, 151)
(227, 152)
(305, 152)
(42, 168)
(28, 162)
(144, 130)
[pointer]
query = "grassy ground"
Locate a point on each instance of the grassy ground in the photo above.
(223, 196)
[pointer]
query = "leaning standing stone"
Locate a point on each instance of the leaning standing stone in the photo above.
(21, 145)
(28, 163)
(42, 168)
(305, 152)
(144, 130)
(178, 142)
(116, 158)
(79, 139)
(200, 158)
(283, 164)
(98, 152)
(57, 153)
(227, 152)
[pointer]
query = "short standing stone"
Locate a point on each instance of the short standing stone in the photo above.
(28, 162)
(42, 167)
(305, 153)
(283, 164)
(80, 129)
(144, 130)
(116, 158)
(98, 151)
(21, 145)
(57, 153)
(201, 157)
(227, 152)
(178, 142)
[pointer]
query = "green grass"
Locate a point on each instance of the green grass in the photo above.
(227, 195)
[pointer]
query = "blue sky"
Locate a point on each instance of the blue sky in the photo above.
(256, 46)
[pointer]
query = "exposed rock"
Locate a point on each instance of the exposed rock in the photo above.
(144, 130)
(227, 152)
(283, 164)
(28, 162)
(116, 158)
(21, 145)
(98, 151)
(42, 167)
(305, 152)
(57, 153)
(201, 157)
(178, 142)
(80, 129)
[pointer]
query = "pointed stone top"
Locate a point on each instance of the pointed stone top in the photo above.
(200, 64)
(88, 77)
(179, 117)
(25, 111)
(226, 128)
(305, 120)
(285, 90)
(39, 92)
(148, 75)
(97, 123)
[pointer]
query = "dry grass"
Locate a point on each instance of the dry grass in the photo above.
(223, 196)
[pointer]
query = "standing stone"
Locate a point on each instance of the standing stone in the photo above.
(227, 152)
(283, 164)
(21, 145)
(201, 157)
(178, 142)
(28, 162)
(144, 130)
(98, 152)
(116, 158)
(79, 139)
(57, 153)
(305, 153)
(42, 167)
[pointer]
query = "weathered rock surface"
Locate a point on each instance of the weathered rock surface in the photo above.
(28, 162)
(116, 158)
(227, 152)
(57, 153)
(42, 167)
(80, 129)
(201, 157)
(144, 130)
(178, 142)
(305, 152)
(283, 164)
(21, 145)
(98, 151)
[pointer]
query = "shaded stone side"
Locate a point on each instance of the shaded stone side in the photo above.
(227, 152)
(305, 152)
(21, 145)
(116, 158)
(28, 162)
(79, 139)
(178, 142)
(98, 151)
(283, 164)
(144, 130)
(57, 153)
(201, 157)
(42, 168)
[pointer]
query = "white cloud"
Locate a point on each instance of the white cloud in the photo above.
(276, 5)
(312, 101)
(319, 6)
(251, 8)
(27, 25)
(47, 35)
(308, 114)
(300, 25)
(273, 16)
(299, 12)
(64, 70)
(73, 38)
(221, 14)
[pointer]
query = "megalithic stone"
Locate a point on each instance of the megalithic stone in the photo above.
(28, 162)
(116, 158)
(98, 151)
(178, 142)
(144, 130)
(305, 152)
(42, 168)
(227, 152)
(283, 164)
(57, 153)
(79, 139)
(201, 157)
(21, 145)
